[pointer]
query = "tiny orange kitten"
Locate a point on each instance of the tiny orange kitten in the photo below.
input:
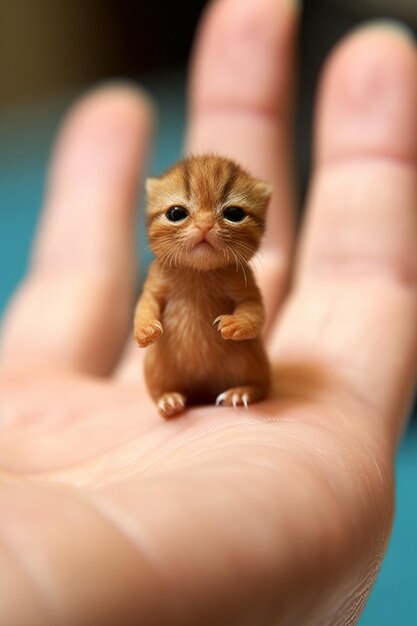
(200, 307)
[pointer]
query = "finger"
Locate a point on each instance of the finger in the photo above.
(73, 309)
(241, 97)
(354, 306)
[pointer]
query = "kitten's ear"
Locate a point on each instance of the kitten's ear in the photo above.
(263, 191)
(152, 186)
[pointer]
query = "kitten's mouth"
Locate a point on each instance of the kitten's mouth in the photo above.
(203, 249)
(204, 254)
(203, 244)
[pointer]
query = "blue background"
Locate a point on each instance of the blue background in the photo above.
(26, 137)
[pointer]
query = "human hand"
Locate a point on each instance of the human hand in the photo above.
(278, 514)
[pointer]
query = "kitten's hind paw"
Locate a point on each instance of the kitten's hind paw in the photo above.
(170, 404)
(240, 396)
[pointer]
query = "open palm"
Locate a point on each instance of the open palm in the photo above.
(278, 514)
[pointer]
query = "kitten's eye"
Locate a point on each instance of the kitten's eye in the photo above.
(176, 213)
(234, 214)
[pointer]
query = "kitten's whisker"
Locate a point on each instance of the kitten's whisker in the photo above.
(177, 252)
(226, 254)
(235, 258)
(244, 247)
(242, 262)
(169, 259)
(249, 255)
(166, 257)
(256, 260)
(174, 257)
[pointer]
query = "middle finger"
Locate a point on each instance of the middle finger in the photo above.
(240, 106)
(241, 96)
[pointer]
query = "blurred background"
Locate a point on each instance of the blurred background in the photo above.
(51, 51)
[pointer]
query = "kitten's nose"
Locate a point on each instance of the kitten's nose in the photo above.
(205, 224)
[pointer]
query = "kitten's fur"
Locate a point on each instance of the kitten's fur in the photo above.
(200, 307)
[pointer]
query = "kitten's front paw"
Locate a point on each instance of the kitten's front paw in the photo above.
(147, 334)
(237, 327)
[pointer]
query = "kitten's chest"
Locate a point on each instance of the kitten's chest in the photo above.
(194, 303)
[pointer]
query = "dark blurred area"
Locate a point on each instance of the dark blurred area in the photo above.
(47, 45)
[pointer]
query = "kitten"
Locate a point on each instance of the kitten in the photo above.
(200, 307)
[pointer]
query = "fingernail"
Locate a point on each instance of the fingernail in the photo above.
(394, 26)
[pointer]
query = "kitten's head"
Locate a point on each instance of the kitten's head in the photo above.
(206, 212)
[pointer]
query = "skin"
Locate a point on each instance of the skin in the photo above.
(275, 515)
